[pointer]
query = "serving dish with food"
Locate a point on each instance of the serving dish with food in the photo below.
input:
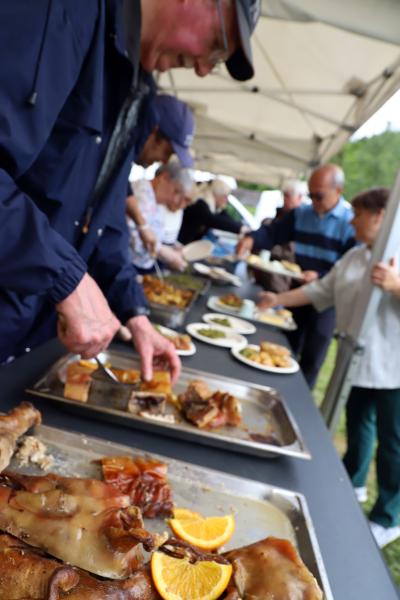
(276, 317)
(169, 303)
(232, 323)
(267, 357)
(206, 414)
(269, 542)
(216, 335)
(279, 267)
(201, 285)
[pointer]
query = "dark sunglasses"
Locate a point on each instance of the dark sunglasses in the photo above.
(317, 196)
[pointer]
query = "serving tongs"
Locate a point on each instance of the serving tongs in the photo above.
(108, 391)
(105, 370)
(158, 270)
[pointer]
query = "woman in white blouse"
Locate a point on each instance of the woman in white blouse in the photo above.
(373, 407)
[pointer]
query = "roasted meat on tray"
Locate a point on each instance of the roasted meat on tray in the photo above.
(12, 426)
(208, 409)
(144, 480)
(85, 522)
(270, 569)
(28, 574)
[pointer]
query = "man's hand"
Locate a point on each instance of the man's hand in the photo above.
(268, 300)
(86, 324)
(309, 276)
(244, 246)
(150, 344)
(148, 238)
(387, 277)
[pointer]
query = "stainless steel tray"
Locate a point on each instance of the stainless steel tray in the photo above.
(189, 280)
(260, 510)
(172, 316)
(263, 411)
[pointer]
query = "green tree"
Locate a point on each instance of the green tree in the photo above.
(370, 162)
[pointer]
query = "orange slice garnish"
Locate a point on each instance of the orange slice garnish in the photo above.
(205, 533)
(178, 579)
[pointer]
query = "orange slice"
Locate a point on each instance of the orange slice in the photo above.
(208, 534)
(185, 513)
(178, 579)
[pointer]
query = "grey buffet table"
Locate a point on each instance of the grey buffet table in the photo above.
(355, 567)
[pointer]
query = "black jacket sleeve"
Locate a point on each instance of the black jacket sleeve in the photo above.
(278, 232)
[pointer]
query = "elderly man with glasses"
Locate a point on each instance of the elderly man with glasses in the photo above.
(321, 233)
(70, 96)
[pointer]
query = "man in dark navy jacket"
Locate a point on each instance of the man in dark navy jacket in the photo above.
(70, 90)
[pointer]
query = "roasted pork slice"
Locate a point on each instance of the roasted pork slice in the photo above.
(28, 574)
(149, 402)
(12, 426)
(270, 569)
(85, 522)
(78, 381)
(209, 410)
(143, 480)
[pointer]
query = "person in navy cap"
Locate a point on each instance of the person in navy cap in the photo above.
(70, 95)
(169, 129)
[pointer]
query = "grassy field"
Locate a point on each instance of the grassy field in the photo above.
(392, 551)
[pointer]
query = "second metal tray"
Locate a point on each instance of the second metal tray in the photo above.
(264, 412)
(260, 510)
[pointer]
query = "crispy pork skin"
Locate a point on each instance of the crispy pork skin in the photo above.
(270, 570)
(12, 426)
(84, 522)
(28, 574)
(143, 479)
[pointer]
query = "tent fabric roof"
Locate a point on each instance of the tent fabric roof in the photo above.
(323, 67)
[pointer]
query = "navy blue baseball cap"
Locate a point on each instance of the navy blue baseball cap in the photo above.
(176, 123)
(240, 63)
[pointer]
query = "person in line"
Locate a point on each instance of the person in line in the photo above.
(169, 188)
(68, 124)
(373, 407)
(293, 196)
(321, 233)
(167, 128)
(207, 211)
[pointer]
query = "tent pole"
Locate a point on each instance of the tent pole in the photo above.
(340, 382)
(364, 311)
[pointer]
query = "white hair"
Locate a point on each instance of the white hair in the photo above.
(209, 189)
(293, 185)
(178, 174)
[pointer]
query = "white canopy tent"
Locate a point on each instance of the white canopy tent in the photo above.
(323, 67)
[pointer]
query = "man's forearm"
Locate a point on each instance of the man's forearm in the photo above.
(293, 298)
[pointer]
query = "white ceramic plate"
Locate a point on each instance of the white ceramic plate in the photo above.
(170, 332)
(215, 304)
(273, 266)
(259, 316)
(294, 367)
(269, 317)
(231, 339)
(235, 324)
(197, 250)
(217, 274)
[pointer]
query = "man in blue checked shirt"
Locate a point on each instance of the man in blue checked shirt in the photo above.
(321, 233)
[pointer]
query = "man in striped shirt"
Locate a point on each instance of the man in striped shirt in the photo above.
(321, 233)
